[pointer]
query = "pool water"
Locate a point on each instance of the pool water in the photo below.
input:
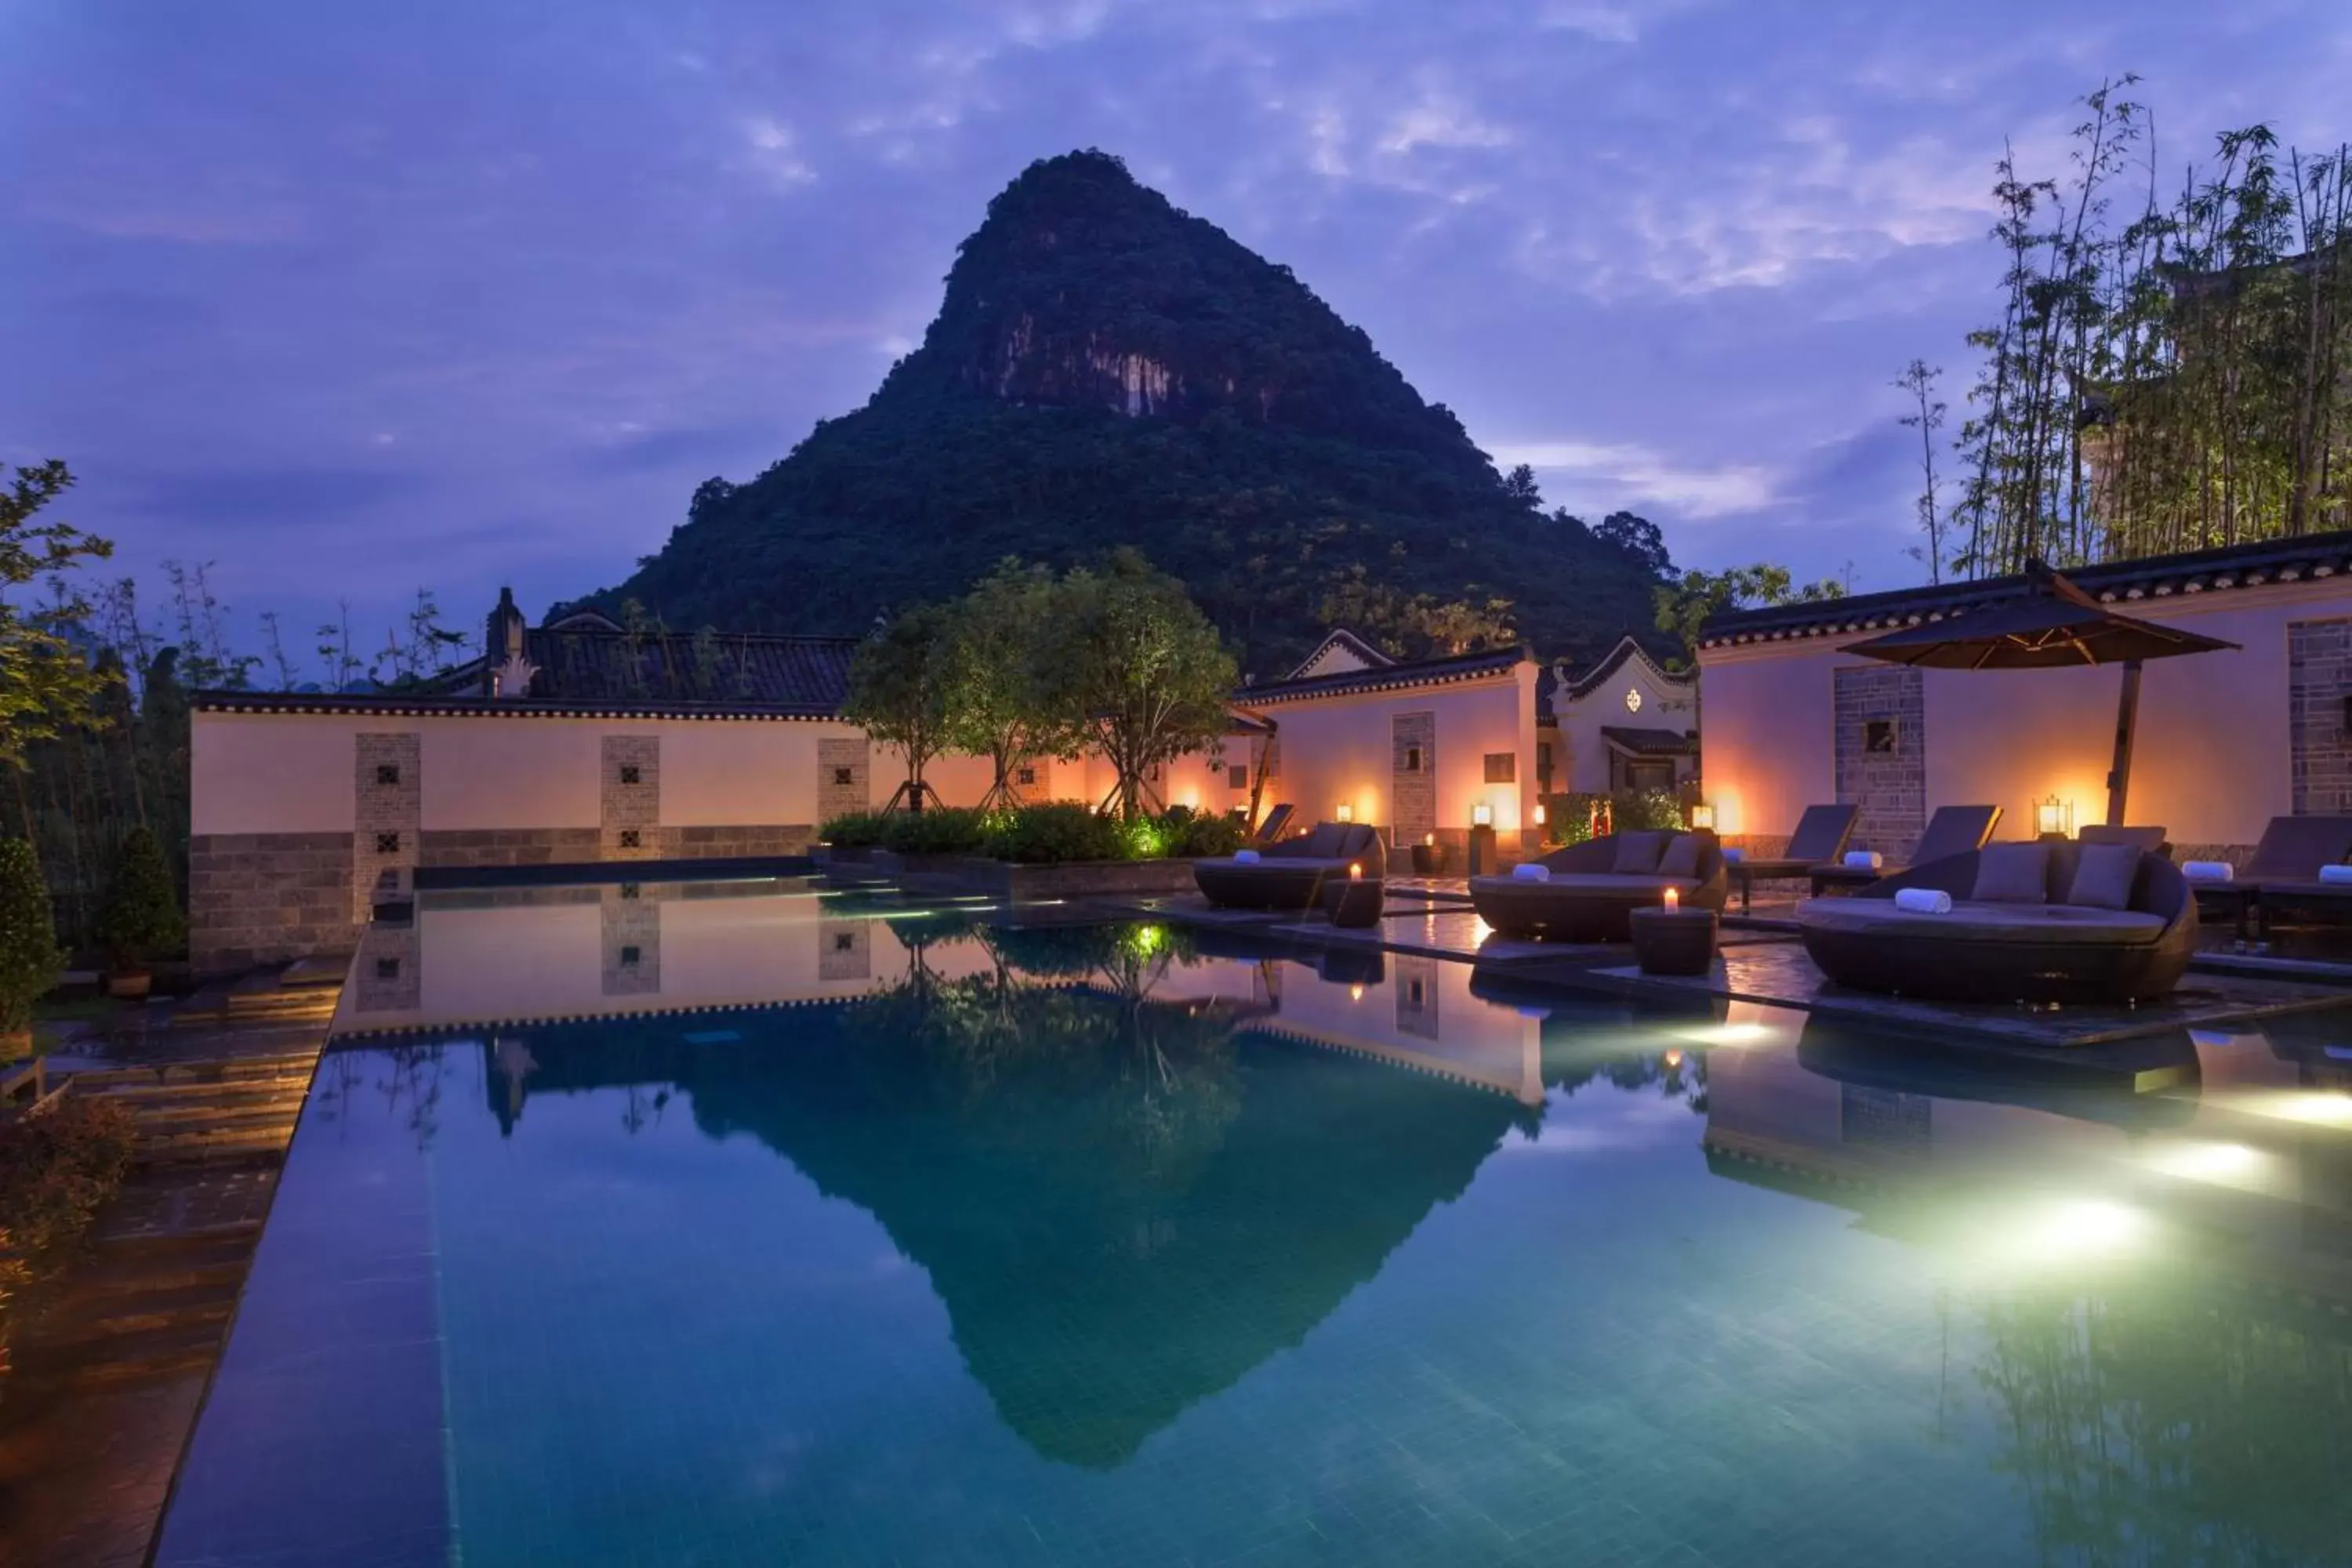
(1083, 1246)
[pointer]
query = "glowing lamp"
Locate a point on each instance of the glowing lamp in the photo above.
(1673, 898)
(1539, 813)
(1673, 1057)
(1430, 839)
(2055, 816)
(1702, 817)
(1482, 816)
(1343, 812)
(1356, 991)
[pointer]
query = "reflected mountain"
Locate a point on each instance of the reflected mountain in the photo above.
(1124, 1203)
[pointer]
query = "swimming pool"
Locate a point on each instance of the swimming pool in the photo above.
(749, 1225)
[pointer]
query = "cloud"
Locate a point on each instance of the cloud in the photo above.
(1640, 474)
(774, 152)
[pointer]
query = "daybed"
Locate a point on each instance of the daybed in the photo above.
(1290, 875)
(1595, 886)
(2022, 926)
(2285, 871)
(1952, 830)
(1821, 838)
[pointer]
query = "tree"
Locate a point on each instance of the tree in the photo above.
(1416, 625)
(1519, 484)
(140, 920)
(29, 960)
(1637, 537)
(1686, 604)
(1927, 416)
(47, 685)
(898, 689)
(1130, 664)
(994, 708)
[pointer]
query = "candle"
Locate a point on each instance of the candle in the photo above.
(1355, 868)
(1673, 899)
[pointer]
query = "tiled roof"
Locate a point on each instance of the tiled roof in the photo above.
(757, 673)
(1647, 742)
(2309, 557)
(1422, 672)
(1617, 658)
(1341, 637)
(448, 705)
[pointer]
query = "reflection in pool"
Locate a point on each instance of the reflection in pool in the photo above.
(1087, 1243)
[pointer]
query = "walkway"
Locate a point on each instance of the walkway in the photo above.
(114, 1354)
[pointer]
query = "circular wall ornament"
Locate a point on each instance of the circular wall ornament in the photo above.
(1632, 699)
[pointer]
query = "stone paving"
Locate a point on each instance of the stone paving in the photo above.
(114, 1350)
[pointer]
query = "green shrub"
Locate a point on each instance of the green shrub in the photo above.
(29, 960)
(1570, 818)
(1191, 835)
(854, 830)
(56, 1168)
(1055, 832)
(942, 830)
(140, 919)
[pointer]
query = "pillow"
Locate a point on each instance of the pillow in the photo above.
(2013, 874)
(1681, 858)
(2104, 877)
(1531, 871)
(1244, 856)
(1637, 853)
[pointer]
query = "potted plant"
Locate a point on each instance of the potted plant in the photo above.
(140, 920)
(30, 962)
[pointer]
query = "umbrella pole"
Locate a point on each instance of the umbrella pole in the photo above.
(2127, 721)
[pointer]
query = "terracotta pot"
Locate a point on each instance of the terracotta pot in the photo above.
(129, 984)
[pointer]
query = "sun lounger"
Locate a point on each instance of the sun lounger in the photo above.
(1998, 944)
(2286, 873)
(1594, 887)
(1290, 875)
(1276, 824)
(1820, 836)
(1953, 830)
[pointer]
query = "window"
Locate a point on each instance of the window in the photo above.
(387, 772)
(1026, 775)
(1412, 759)
(629, 956)
(387, 968)
(1502, 767)
(844, 942)
(1632, 699)
(1881, 737)
(1237, 777)
(629, 774)
(628, 890)
(1543, 760)
(387, 843)
(844, 778)
(1415, 995)
(631, 838)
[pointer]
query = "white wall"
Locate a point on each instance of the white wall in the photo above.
(1665, 705)
(294, 773)
(2212, 764)
(1338, 749)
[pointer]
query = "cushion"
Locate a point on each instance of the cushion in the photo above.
(2012, 874)
(2104, 877)
(1323, 843)
(1638, 853)
(1681, 857)
(2046, 925)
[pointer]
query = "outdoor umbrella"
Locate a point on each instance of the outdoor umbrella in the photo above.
(2051, 626)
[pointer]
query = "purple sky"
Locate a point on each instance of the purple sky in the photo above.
(461, 292)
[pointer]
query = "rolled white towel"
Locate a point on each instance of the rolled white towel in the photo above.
(2208, 871)
(1735, 854)
(1530, 871)
(1244, 856)
(1862, 860)
(1923, 901)
(2336, 874)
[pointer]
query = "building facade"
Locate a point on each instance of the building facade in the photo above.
(1626, 723)
(2225, 741)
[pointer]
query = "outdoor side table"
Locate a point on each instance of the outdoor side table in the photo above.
(1674, 942)
(1353, 901)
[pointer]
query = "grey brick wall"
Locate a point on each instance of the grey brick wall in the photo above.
(843, 771)
(631, 926)
(2319, 677)
(266, 898)
(1414, 793)
(629, 813)
(388, 811)
(1891, 787)
(509, 846)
